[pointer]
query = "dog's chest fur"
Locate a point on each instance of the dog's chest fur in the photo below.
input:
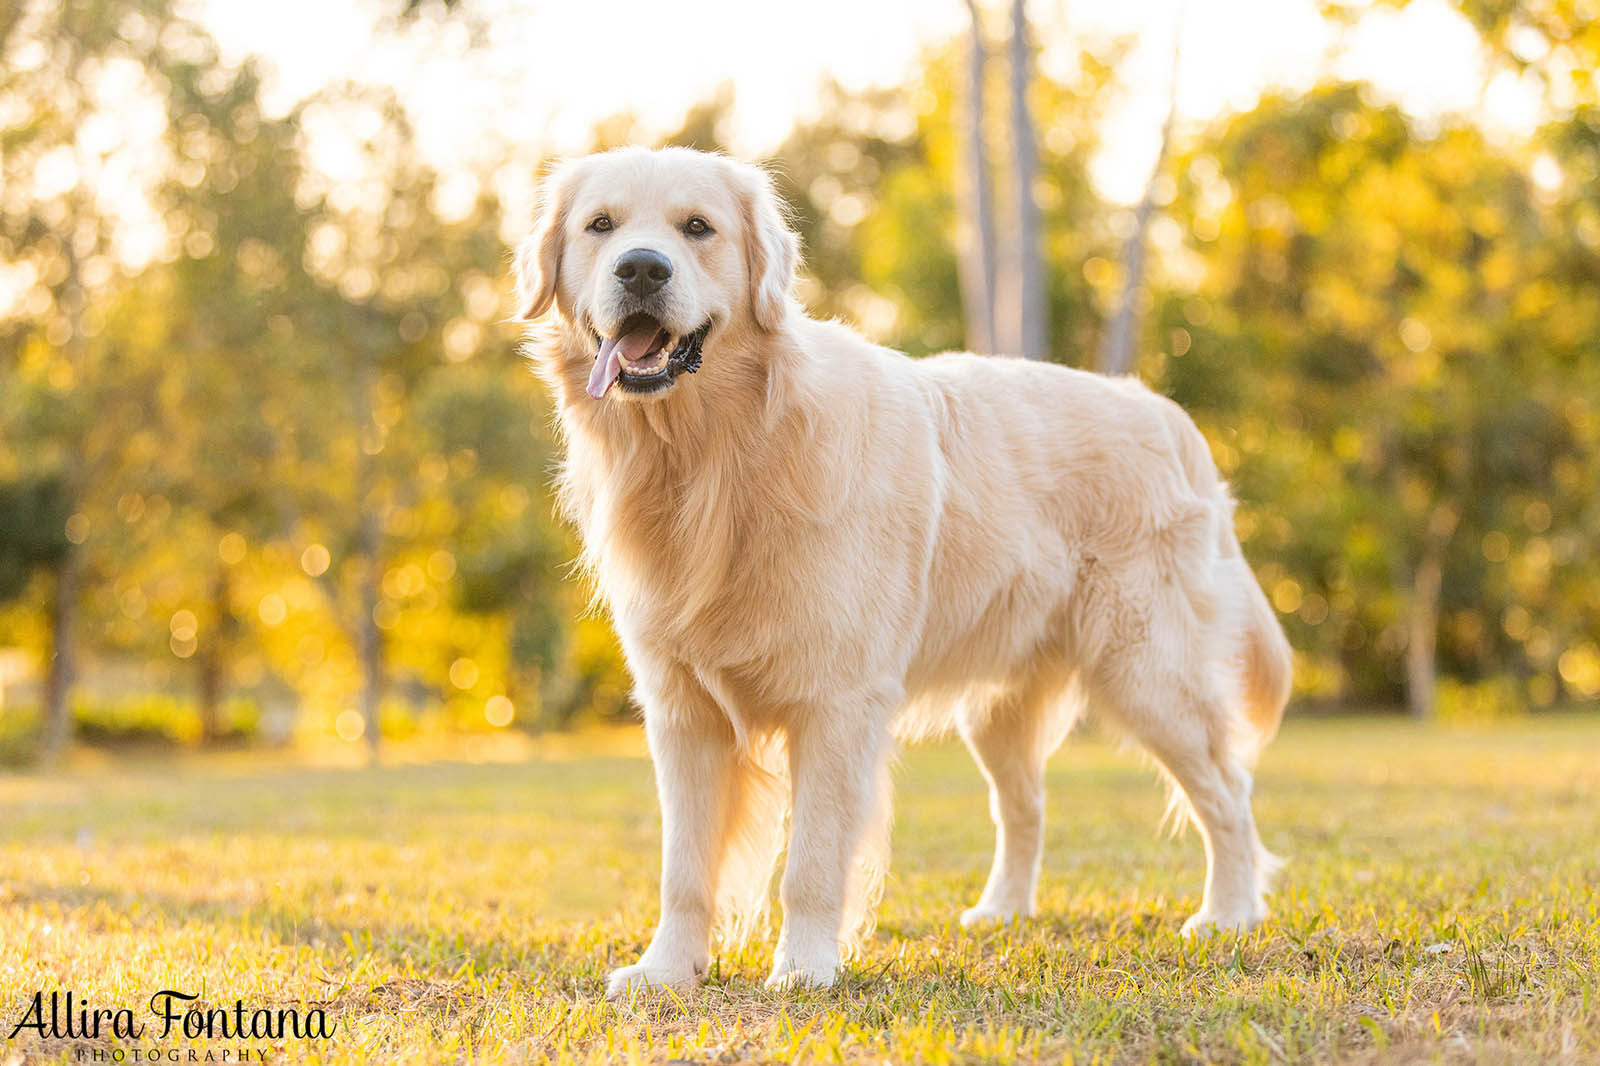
(706, 559)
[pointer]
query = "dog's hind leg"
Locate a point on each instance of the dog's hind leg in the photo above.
(1186, 725)
(1011, 737)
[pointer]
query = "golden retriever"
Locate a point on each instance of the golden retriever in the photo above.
(811, 545)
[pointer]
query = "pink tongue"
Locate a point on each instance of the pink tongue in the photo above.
(608, 364)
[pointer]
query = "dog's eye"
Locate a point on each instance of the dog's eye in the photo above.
(697, 227)
(602, 224)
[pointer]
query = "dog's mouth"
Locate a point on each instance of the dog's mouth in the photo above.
(643, 356)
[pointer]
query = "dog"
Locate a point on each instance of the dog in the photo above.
(812, 547)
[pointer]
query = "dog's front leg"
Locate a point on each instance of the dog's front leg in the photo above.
(692, 748)
(835, 757)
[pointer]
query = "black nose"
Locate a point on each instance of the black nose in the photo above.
(642, 271)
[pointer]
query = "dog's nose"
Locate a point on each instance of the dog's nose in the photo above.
(643, 271)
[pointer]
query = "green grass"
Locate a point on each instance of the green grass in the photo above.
(1441, 904)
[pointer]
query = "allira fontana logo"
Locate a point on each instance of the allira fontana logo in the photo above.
(170, 1014)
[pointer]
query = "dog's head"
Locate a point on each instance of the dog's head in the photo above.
(649, 256)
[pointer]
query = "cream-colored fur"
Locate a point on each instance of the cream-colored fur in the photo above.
(815, 544)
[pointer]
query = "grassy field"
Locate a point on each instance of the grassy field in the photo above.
(1441, 904)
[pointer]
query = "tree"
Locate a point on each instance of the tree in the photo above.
(976, 233)
(407, 294)
(57, 220)
(33, 518)
(510, 562)
(1032, 309)
(229, 301)
(873, 182)
(1367, 325)
(1122, 337)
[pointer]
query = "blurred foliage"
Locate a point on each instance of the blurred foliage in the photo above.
(1555, 42)
(33, 518)
(1392, 336)
(296, 432)
(149, 720)
(294, 455)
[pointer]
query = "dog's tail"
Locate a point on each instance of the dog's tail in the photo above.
(1267, 665)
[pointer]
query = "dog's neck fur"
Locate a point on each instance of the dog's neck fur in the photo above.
(745, 394)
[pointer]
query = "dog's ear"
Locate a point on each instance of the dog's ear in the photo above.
(772, 249)
(538, 259)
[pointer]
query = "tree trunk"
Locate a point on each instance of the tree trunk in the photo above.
(1422, 612)
(63, 672)
(209, 694)
(63, 659)
(370, 643)
(1422, 635)
(214, 659)
(371, 667)
(1118, 351)
(976, 224)
(1032, 299)
(368, 542)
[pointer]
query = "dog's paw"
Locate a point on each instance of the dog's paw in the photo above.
(1204, 923)
(644, 977)
(989, 914)
(787, 976)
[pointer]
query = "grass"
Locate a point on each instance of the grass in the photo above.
(1442, 904)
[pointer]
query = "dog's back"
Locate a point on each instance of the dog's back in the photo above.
(1063, 486)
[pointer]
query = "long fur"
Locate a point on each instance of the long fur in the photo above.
(752, 841)
(815, 544)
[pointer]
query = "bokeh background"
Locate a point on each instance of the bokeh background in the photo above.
(272, 471)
